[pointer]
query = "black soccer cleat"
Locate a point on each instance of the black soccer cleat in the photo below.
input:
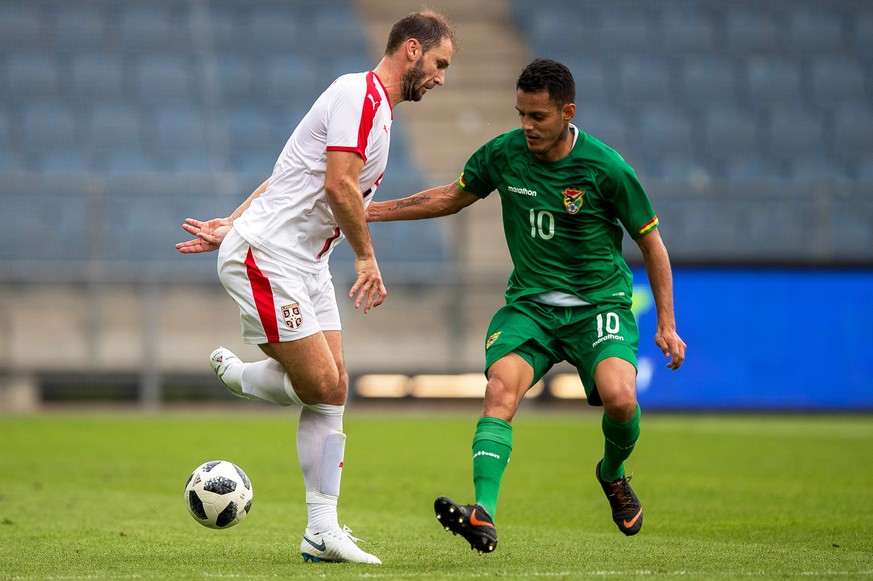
(627, 512)
(471, 521)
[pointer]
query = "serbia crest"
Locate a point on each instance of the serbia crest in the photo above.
(573, 200)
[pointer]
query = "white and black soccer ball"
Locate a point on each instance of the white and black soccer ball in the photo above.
(218, 494)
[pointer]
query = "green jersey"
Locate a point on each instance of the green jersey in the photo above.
(563, 220)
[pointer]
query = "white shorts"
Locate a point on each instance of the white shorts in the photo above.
(276, 301)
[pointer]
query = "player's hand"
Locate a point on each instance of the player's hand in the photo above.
(368, 290)
(672, 346)
(207, 235)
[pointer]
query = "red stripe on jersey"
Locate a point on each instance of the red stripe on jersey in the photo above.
(263, 295)
(328, 243)
(372, 101)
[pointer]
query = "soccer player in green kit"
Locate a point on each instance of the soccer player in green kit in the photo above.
(565, 198)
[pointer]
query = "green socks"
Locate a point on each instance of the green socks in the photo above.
(620, 440)
(492, 444)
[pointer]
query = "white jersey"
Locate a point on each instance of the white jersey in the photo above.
(292, 219)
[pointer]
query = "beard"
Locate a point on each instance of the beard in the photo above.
(410, 84)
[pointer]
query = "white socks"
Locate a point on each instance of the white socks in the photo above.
(320, 450)
(263, 380)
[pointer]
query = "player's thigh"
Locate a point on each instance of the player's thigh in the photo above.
(598, 334)
(509, 379)
(311, 366)
(615, 379)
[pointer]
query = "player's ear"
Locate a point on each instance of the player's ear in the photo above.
(413, 50)
(568, 112)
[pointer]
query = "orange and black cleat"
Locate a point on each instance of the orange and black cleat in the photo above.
(627, 512)
(471, 521)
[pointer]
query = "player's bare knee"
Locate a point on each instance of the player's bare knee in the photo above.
(501, 401)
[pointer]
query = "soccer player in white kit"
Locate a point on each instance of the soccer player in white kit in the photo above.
(274, 251)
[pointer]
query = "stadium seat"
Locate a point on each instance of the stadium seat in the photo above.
(688, 30)
(666, 132)
(645, 80)
(709, 80)
(753, 31)
(114, 127)
(80, 26)
(162, 80)
(773, 81)
(815, 31)
(795, 132)
(25, 213)
(853, 128)
(32, 76)
(837, 80)
(729, 131)
(97, 78)
(50, 126)
(22, 27)
(155, 28)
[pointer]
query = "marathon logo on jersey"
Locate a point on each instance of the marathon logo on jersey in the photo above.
(573, 200)
(291, 314)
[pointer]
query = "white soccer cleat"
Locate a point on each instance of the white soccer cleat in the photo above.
(336, 546)
(220, 360)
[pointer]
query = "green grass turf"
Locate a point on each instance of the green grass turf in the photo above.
(99, 496)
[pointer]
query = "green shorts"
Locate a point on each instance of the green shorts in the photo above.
(545, 335)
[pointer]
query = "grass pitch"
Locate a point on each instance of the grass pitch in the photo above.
(99, 496)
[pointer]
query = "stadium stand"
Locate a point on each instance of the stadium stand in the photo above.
(120, 119)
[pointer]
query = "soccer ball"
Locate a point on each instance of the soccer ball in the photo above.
(218, 494)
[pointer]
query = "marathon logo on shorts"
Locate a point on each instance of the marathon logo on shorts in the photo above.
(292, 316)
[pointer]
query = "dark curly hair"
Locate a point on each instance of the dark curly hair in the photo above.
(550, 76)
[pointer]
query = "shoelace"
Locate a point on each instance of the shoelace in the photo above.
(621, 490)
(348, 532)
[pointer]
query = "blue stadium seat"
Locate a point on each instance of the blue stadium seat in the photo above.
(165, 81)
(22, 27)
(50, 126)
(622, 29)
(155, 27)
(291, 78)
(814, 31)
(817, 167)
(729, 131)
(645, 79)
(32, 76)
(181, 140)
(27, 213)
(238, 80)
(113, 128)
(862, 32)
(853, 131)
(708, 80)
(666, 132)
(753, 31)
(593, 84)
(607, 123)
(80, 26)
(751, 166)
(773, 81)
(796, 132)
(688, 30)
(837, 80)
(97, 78)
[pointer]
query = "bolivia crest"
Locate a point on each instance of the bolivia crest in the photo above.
(573, 200)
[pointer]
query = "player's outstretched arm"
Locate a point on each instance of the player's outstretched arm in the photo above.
(432, 203)
(209, 234)
(661, 280)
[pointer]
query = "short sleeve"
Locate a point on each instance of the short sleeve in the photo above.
(632, 205)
